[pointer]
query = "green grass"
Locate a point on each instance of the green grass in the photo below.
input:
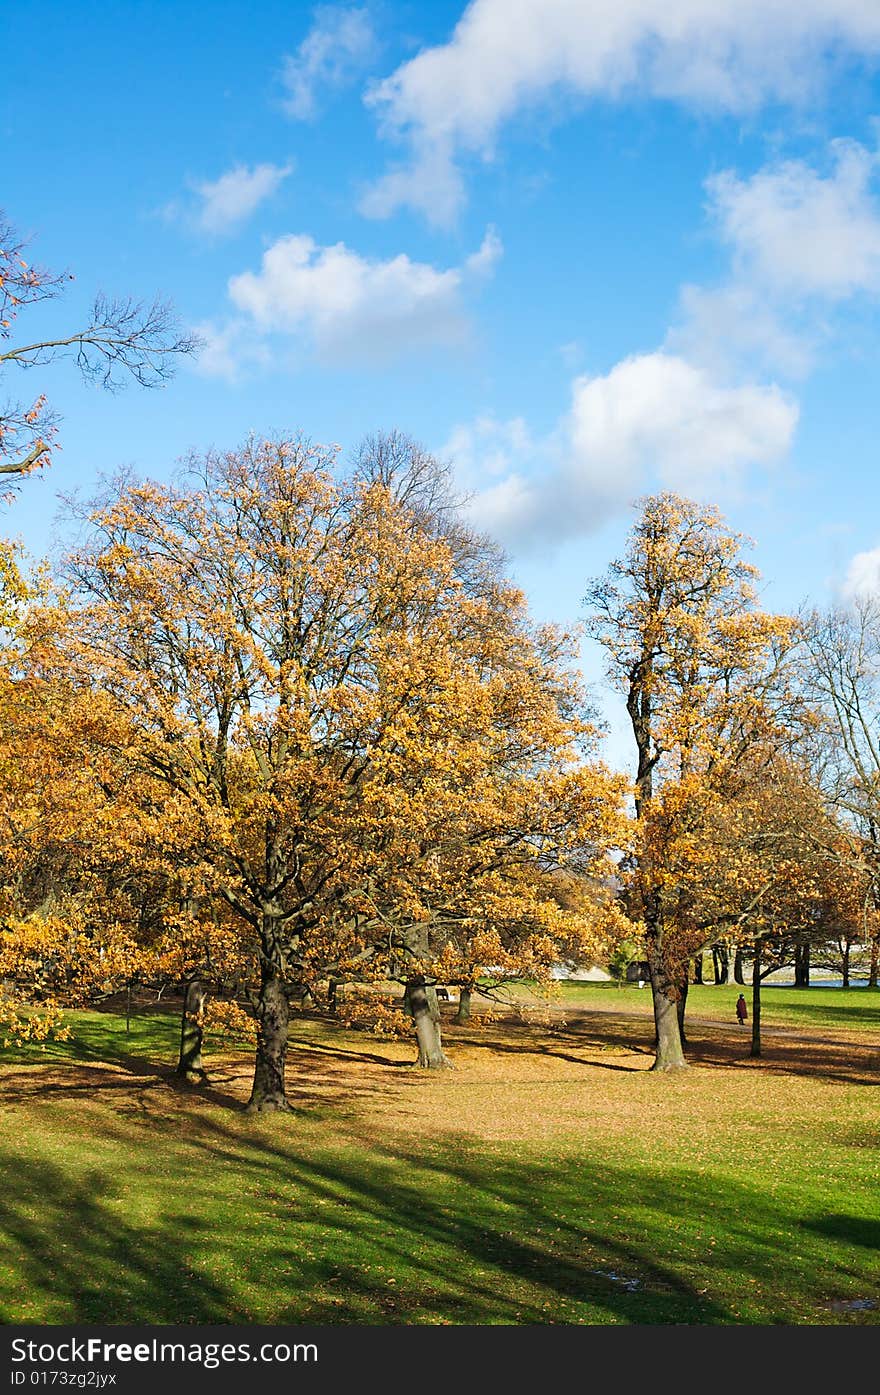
(102, 1036)
(851, 1009)
(721, 1196)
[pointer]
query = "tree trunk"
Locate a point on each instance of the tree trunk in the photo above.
(668, 1045)
(738, 975)
(680, 1006)
(756, 1001)
(426, 1020)
(720, 963)
(267, 1092)
(802, 965)
(464, 1003)
(189, 1064)
(846, 954)
(698, 968)
(874, 971)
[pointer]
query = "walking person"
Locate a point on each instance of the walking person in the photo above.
(742, 1011)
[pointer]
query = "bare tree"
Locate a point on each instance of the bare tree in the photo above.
(843, 681)
(125, 339)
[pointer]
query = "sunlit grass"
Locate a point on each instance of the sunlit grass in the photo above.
(550, 1178)
(853, 1009)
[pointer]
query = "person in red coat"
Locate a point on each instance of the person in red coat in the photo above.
(742, 1011)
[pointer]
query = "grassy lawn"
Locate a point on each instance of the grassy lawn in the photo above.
(851, 1009)
(550, 1178)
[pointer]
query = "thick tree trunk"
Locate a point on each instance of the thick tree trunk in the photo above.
(874, 970)
(464, 1003)
(802, 965)
(267, 1092)
(189, 1064)
(426, 1020)
(738, 975)
(698, 968)
(720, 963)
(668, 1045)
(756, 1001)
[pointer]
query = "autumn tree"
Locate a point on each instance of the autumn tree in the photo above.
(123, 340)
(72, 906)
(305, 670)
(764, 868)
(697, 663)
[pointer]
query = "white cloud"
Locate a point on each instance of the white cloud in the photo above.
(340, 45)
(506, 55)
(347, 307)
(863, 576)
(658, 410)
(653, 420)
(488, 254)
(489, 447)
(725, 326)
(797, 232)
(226, 202)
(431, 185)
(803, 242)
(229, 350)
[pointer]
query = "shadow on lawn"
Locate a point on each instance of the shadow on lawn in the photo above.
(852, 1230)
(464, 1237)
(87, 1262)
(543, 1047)
(28, 1084)
(201, 1217)
(851, 1018)
(784, 1050)
(102, 1057)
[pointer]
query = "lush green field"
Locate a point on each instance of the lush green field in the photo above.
(550, 1178)
(851, 1009)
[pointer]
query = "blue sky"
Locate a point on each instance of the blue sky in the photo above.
(584, 249)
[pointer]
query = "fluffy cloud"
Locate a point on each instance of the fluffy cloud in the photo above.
(863, 576)
(739, 323)
(653, 420)
(804, 241)
(344, 306)
(503, 57)
(797, 232)
(225, 203)
(656, 409)
(431, 185)
(338, 47)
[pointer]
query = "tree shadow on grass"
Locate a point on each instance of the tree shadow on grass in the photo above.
(853, 1230)
(378, 1237)
(853, 1063)
(552, 1049)
(853, 1019)
(139, 1075)
(85, 1260)
(212, 1218)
